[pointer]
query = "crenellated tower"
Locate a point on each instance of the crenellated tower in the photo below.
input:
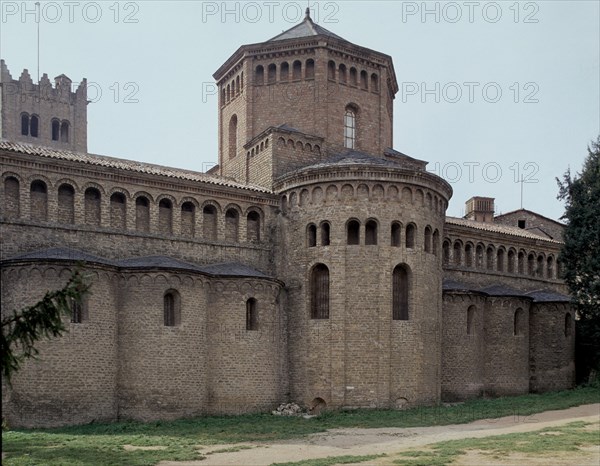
(42, 113)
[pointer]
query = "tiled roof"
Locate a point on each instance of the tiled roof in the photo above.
(306, 28)
(352, 157)
(129, 165)
(497, 228)
(232, 269)
(538, 296)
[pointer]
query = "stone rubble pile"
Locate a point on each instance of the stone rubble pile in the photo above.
(288, 409)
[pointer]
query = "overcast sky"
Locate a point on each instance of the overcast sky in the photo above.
(489, 91)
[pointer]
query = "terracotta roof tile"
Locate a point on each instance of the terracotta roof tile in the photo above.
(497, 228)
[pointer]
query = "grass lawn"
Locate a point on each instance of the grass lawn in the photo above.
(104, 444)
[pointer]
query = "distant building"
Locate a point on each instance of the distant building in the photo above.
(314, 263)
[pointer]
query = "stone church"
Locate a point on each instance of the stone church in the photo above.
(314, 263)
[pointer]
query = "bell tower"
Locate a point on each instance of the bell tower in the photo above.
(306, 82)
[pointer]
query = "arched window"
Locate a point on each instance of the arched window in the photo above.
(436, 242)
(251, 315)
(55, 129)
(232, 225)
(500, 260)
(233, 124)
(92, 206)
(259, 75)
(77, 312)
(223, 96)
(297, 70)
(511, 261)
(471, 320)
(253, 227)
(446, 252)
(165, 217)
(568, 325)
(309, 72)
(325, 234)
(209, 221)
(350, 127)
(374, 83)
(311, 235)
(319, 292)
(353, 232)
(550, 267)
(353, 77)
(172, 308)
(427, 245)
(457, 253)
(371, 233)
(400, 292)
(34, 126)
(539, 272)
(118, 211)
(142, 214)
(469, 255)
(38, 198)
(24, 124)
(237, 85)
(410, 235)
(396, 234)
(64, 131)
(66, 204)
(232, 89)
(12, 197)
(228, 93)
(342, 74)
(521, 260)
(519, 322)
(531, 265)
(331, 70)
(489, 258)
(284, 71)
(272, 73)
(364, 80)
(479, 256)
(188, 219)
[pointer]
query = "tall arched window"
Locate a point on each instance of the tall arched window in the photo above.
(457, 253)
(469, 255)
(209, 220)
(342, 74)
(311, 235)
(165, 217)
(374, 83)
(353, 232)
(427, 245)
(172, 308)
(436, 242)
(251, 315)
(253, 227)
(510, 266)
(24, 124)
(500, 260)
(142, 214)
(272, 73)
(400, 293)
(55, 129)
(233, 124)
(490, 258)
(530, 265)
(446, 252)
(118, 211)
(371, 233)
(297, 70)
(396, 234)
(471, 320)
(519, 322)
(539, 272)
(353, 77)
(568, 325)
(364, 80)
(479, 256)
(331, 70)
(309, 72)
(66, 204)
(550, 267)
(325, 234)
(188, 219)
(232, 225)
(34, 124)
(92, 206)
(64, 131)
(38, 199)
(259, 75)
(521, 261)
(350, 127)
(411, 232)
(284, 71)
(319, 292)
(12, 197)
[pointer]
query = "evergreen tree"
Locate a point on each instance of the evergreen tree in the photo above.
(22, 329)
(580, 256)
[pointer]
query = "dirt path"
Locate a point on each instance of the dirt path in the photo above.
(338, 442)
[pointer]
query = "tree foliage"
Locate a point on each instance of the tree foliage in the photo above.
(580, 256)
(22, 329)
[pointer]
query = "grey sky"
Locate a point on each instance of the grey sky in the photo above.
(542, 56)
